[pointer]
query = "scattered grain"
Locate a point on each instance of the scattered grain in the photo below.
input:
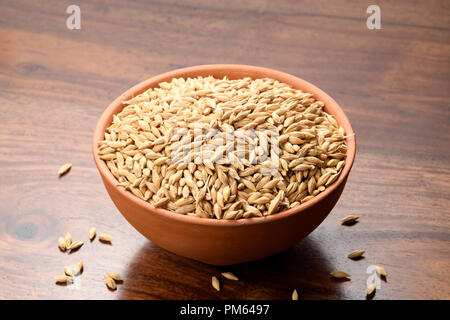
(381, 271)
(64, 169)
(114, 276)
(92, 233)
(110, 283)
(371, 289)
(75, 245)
(78, 268)
(349, 219)
(62, 244)
(229, 276)
(215, 283)
(356, 254)
(339, 274)
(63, 279)
(68, 271)
(103, 237)
(68, 240)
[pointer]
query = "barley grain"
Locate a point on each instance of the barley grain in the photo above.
(92, 233)
(63, 279)
(62, 244)
(110, 283)
(351, 219)
(229, 276)
(75, 245)
(381, 271)
(371, 289)
(64, 169)
(356, 254)
(275, 202)
(68, 240)
(78, 268)
(103, 237)
(339, 274)
(114, 276)
(68, 271)
(215, 283)
(161, 202)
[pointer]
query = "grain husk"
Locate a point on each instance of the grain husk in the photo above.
(103, 237)
(215, 283)
(381, 271)
(68, 271)
(295, 295)
(75, 245)
(371, 288)
(64, 169)
(229, 276)
(68, 240)
(350, 219)
(78, 268)
(110, 283)
(63, 279)
(115, 276)
(61, 244)
(92, 233)
(356, 254)
(339, 274)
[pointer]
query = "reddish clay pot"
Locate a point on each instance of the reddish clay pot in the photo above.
(223, 242)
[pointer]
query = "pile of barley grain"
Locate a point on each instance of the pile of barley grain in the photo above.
(143, 147)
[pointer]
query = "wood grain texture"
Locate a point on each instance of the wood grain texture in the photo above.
(393, 83)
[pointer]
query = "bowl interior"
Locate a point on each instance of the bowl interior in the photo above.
(232, 72)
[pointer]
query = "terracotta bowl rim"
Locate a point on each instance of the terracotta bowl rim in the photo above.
(299, 83)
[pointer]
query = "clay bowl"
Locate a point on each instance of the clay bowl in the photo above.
(223, 242)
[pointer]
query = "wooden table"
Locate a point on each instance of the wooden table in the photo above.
(393, 83)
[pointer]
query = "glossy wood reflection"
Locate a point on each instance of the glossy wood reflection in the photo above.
(393, 84)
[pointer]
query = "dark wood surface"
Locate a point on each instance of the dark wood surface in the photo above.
(393, 83)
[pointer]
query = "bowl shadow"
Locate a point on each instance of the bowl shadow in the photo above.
(154, 273)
